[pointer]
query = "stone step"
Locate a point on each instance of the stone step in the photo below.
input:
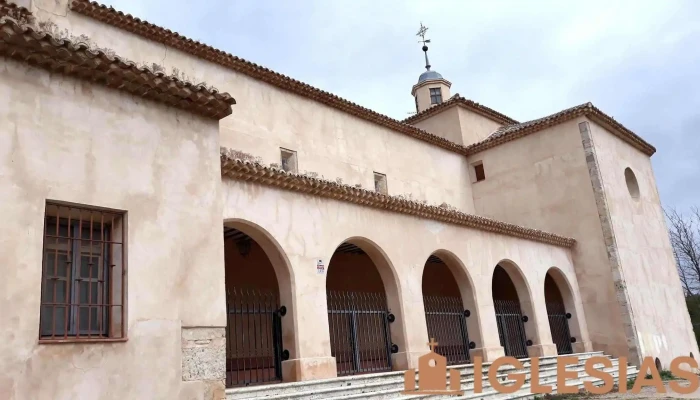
(266, 391)
(547, 377)
(381, 386)
(525, 390)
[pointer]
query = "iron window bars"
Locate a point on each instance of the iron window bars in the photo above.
(83, 285)
(446, 321)
(359, 332)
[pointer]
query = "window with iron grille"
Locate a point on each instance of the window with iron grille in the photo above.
(435, 96)
(83, 285)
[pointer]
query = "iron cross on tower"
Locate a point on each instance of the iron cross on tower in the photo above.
(421, 32)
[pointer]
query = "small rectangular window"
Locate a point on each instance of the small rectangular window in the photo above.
(289, 160)
(83, 290)
(479, 172)
(380, 183)
(435, 95)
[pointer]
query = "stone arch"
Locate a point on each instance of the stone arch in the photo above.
(557, 288)
(359, 265)
(450, 277)
(511, 295)
(259, 270)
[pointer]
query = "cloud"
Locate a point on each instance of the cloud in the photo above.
(636, 60)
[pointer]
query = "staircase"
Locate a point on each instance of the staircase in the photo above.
(389, 385)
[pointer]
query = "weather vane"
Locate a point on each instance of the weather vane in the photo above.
(421, 32)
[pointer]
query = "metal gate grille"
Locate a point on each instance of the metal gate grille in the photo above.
(359, 331)
(253, 338)
(446, 323)
(511, 329)
(559, 326)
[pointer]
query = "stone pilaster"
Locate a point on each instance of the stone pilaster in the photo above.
(611, 244)
(204, 359)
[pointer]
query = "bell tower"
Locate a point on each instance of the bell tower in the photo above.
(432, 88)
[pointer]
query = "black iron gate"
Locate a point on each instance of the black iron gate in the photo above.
(511, 328)
(446, 322)
(559, 326)
(359, 331)
(253, 338)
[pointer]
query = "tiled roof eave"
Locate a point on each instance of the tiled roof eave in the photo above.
(233, 168)
(585, 110)
(466, 103)
(172, 39)
(26, 44)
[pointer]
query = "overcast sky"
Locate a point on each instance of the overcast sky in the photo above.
(638, 61)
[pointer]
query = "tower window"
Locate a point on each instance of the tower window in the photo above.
(435, 96)
(416, 99)
(289, 160)
(380, 183)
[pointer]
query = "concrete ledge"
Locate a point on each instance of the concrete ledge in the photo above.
(542, 350)
(487, 353)
(582, 347)
(306, 369)
(406, 360)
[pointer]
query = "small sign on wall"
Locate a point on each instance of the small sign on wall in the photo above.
(320, 267)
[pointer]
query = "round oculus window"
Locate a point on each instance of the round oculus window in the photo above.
(632, 184)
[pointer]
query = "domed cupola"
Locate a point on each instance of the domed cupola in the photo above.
(432, 88)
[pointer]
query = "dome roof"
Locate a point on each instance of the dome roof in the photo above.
(429, 76)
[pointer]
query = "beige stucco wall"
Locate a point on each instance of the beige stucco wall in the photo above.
(333, 144)
(646, 257)
(459, 125)
(72, 141)
(445, 124)
(542, 181)
(399, 245)
(475, 127)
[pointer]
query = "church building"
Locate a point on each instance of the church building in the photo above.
(181, 223)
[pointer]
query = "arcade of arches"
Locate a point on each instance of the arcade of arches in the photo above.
(364, 306)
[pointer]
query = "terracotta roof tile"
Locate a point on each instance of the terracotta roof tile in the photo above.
(515, 131)
(459, 100)
(234, 168)
(14, 11)
(27, 44)
(167, 37)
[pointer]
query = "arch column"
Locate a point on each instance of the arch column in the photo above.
(415, 340)
(568, 289)
(533, 307)
(312, 358)
(537, 329)
(489, 349)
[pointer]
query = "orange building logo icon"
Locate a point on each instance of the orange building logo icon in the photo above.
(432, 368)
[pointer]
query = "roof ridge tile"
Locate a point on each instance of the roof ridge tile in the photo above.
(515, 131)
(109, 15)
(456, 99)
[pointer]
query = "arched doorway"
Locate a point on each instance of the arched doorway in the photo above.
(254, 334)
(560, 311)
(359, 319)
(509, 291)
(446, 314)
